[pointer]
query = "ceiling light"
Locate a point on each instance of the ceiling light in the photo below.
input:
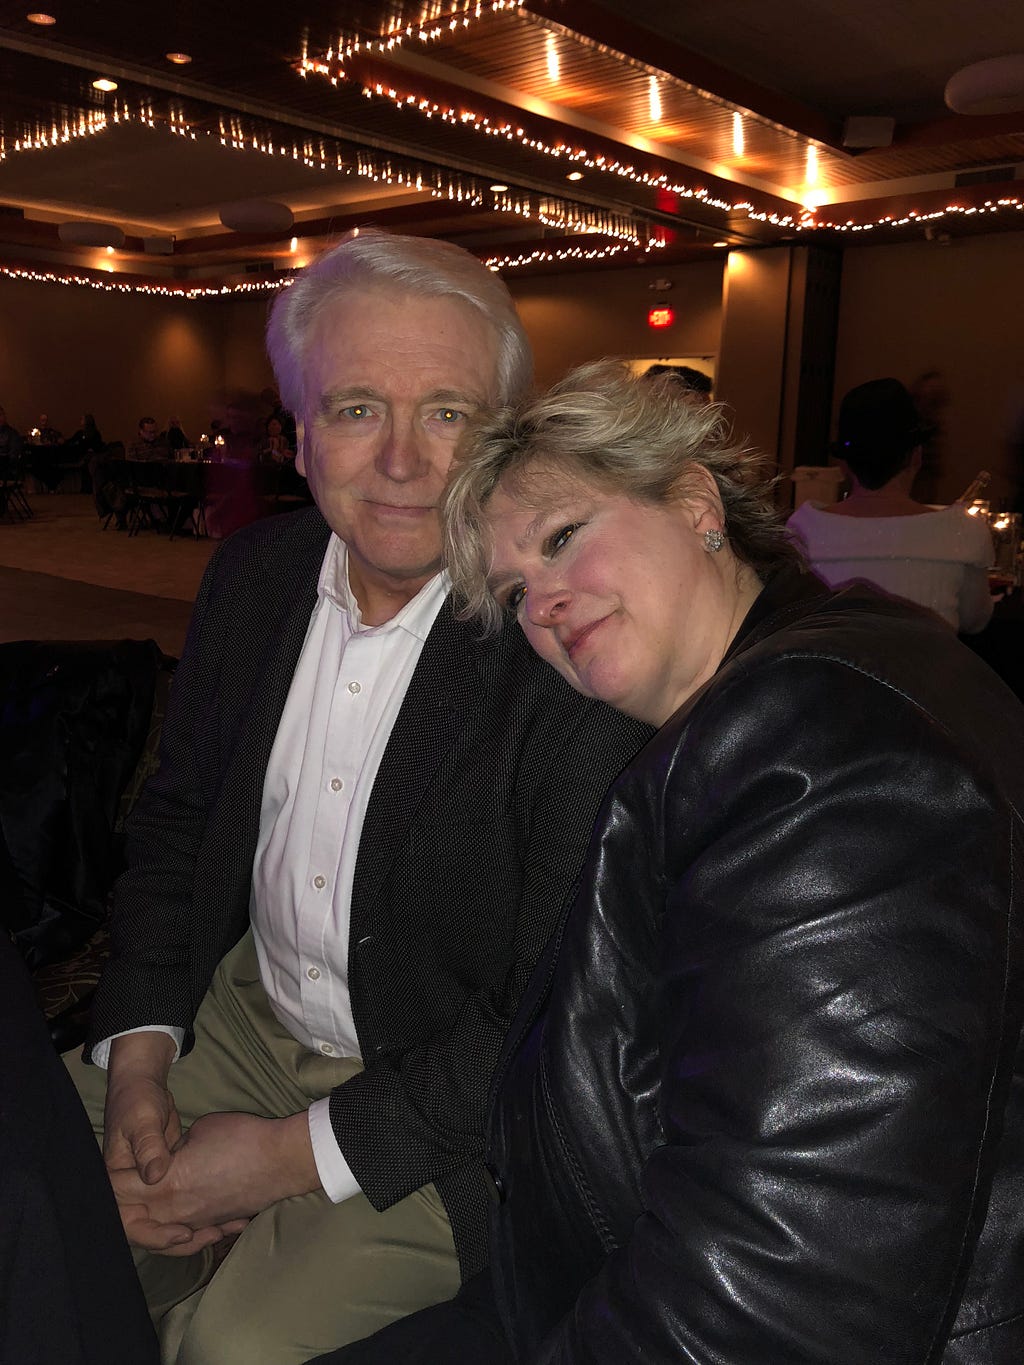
(811, 169)
(44, 19)
(104, 84)
(737, 135)
(499, 188)
(554, 69)
(654, 99)
(574, 175)
(719, 243)
(178, 58)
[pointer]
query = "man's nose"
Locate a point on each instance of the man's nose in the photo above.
(402, 455)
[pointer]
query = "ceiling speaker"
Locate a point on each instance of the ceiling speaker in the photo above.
(995, 86)
(256, 215)
(863, 131)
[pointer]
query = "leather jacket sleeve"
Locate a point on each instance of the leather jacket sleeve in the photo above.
(839, 1007)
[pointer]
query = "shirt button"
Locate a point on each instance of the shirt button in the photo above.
(319, 883)
(354, 687)
(336, 784)
(313, 973)
(327, 1050)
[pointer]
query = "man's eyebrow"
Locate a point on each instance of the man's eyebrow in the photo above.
(362, 393)
(454, 396)
(333, 398)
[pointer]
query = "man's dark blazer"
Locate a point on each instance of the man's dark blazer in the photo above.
(475, 830)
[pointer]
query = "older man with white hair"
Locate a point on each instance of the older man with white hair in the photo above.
(364, 823)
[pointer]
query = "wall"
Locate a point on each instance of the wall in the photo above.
(574, 318)
(957, 308)
(246, 367)
(755, 324)
(65, 350)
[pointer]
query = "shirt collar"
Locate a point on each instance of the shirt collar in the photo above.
(416, 617)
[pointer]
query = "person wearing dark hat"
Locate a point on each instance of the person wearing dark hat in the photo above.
(936, 557)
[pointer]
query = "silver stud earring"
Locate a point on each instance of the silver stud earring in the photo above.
(713, 540)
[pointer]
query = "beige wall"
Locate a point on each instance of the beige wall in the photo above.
(753, 344)
(66, 350)
(904, 309)
(955, 308)
(574, 318)
(246, 367)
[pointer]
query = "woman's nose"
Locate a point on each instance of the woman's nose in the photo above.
(546, 606)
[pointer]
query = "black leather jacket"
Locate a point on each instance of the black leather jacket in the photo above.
(764, 1102)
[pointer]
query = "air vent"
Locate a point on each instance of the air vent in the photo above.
(991, 175)
(255, 267)
(9, 211)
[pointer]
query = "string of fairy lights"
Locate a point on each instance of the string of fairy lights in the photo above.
(439, 22)
(111, 284)
(627, 231)
(326, 155)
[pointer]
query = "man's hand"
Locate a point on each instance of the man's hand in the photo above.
(226, 1169)
(141, 1129)
(141, 1124)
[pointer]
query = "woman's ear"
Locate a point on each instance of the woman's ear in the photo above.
(703, 500)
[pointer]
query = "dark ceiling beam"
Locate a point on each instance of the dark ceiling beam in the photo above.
(652, 50)
(917, 206)
(958, 129)
(437, 213)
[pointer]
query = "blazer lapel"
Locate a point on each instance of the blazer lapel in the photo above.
(286, 601)
(445, 694)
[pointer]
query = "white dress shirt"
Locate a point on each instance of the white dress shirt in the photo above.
(348, 687)
(349, 684)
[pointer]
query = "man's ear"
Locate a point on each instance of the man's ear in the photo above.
(300, 446)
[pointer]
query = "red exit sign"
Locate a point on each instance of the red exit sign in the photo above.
(661, 315)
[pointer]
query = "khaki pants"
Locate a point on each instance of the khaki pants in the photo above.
(305, 1275)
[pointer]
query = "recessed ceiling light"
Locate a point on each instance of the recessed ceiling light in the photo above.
(104, 84)
(178, 58)
(44, 19)
(498, 187)
(574, 175)
(719, 243)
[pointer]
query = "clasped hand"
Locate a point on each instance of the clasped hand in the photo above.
(179, 1192)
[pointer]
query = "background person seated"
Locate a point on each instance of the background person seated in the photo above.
(87, 439)
(274, 447)
(45, 434)
(151, 445)
(937, 558)
(695, 382)
(10, 438)
(174, 436)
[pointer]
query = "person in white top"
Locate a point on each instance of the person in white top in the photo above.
(936, 557)
(364, 824)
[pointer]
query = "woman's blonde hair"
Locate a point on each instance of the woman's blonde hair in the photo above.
(638, 436)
